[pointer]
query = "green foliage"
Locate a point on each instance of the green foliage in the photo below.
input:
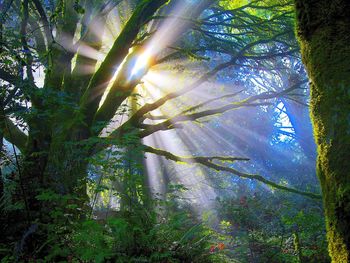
(139, 237)
(233, 4)
(91, 235)
(263, 226)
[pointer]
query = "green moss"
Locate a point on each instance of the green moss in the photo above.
(324, 35)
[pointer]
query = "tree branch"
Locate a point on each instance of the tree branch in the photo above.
(76, 84)
(12, 133)
(59, 57)
(25, 46)
(44, 21)
(173, 122)
(124, 83)
(201, 105)
(4, 7)
(206, 161)
(10, 78)
(99, 81)
(152, 106)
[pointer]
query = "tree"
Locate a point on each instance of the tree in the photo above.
(323, 28)
(59, 126)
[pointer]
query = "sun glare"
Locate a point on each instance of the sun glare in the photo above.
(141, 63)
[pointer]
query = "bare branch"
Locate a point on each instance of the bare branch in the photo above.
(152, 106)
(201, 105)
(172, 122)
(183, 117)
(206, 161)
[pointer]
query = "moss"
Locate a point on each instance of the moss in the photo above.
(324, 35)
(297, 246)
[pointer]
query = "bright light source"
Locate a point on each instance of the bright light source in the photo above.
(141, 63)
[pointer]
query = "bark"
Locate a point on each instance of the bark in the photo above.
(66, 168)
(323, 28)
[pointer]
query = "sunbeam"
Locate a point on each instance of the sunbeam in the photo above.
(173, 131)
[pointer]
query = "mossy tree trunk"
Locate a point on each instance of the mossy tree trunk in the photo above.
(57, 163)
(323, 29)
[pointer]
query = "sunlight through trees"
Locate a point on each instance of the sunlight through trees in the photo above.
(164, 130)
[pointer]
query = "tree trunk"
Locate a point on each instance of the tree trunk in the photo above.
(55, 163)
(66, 170)
(324, 34)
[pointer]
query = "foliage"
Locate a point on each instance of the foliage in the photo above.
(263, 226)
(136, 236)
(80, 150)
